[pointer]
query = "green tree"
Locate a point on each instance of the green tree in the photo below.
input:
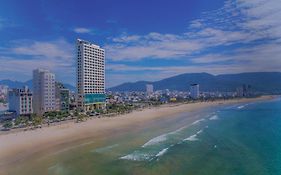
(18, 120)
(8, 124)
(36, 120)
(76, 113)
(81, 117)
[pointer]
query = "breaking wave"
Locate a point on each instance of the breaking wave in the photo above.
(198, 121)
(242, 106)
(214, 117)
(193, 137)
(162, 137)
(162, 152)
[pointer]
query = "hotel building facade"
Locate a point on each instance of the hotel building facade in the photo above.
(194, 91)
(149, 89)
(20, 101)
(43, 91)
(90, 76)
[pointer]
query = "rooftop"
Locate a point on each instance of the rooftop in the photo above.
(87, 42)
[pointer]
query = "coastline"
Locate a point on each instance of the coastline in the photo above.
(18, 146)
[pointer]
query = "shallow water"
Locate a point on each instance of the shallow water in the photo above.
(237, 139)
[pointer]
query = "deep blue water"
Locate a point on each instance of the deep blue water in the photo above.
(241, 139)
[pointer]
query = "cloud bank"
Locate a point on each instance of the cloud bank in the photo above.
(241, 36)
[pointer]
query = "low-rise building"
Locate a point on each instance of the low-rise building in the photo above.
(20, 101)
(62, 97)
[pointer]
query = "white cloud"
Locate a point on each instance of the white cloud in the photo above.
(155, 45)
(53, 49)
(126, 38)
(245, 33)
(243, 22)
(82, 30)
(196, 24)
(24, 56)
(251, 28)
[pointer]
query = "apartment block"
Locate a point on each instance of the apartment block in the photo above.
(43, 91)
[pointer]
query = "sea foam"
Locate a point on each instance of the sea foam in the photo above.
(214, 117)
(242, 106)
(144, 155)
(199, 132)
(193, 137)
(137, 156)
(162, 152)
(156, 140)
(162, 138)
(198, 121)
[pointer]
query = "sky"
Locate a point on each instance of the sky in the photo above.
(143, 40)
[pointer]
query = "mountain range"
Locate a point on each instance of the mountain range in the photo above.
(267, 82)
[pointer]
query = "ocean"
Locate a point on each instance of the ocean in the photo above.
(242, 139)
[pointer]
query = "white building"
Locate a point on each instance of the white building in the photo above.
(43, 91)
(90, 76)
(20, 101)
(149, 88)
(3, 92)
(4, 89)
(194, 91)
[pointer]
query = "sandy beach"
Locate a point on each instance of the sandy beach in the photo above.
(20, 145)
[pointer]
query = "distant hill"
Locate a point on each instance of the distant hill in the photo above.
(18, 84)
(268, 82)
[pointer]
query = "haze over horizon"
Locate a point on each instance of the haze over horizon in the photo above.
(143, 40)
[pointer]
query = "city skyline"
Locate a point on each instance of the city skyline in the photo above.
(143, 40)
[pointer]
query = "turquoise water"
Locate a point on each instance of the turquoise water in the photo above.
(240, 139)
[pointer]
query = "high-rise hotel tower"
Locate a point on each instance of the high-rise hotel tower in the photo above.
(90, 76)
(43, 91)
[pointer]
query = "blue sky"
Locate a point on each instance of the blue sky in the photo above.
(144, 40)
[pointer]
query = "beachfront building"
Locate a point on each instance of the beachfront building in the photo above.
(4, 89)
(194, 91)
(3, 93)
(90, 76)
(149, 88)
(20, 101)
(43, 91)
(244, 91)
(62, 97)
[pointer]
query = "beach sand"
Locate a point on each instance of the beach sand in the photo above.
(21, 145)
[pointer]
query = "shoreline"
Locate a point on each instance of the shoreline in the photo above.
(20, 145)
